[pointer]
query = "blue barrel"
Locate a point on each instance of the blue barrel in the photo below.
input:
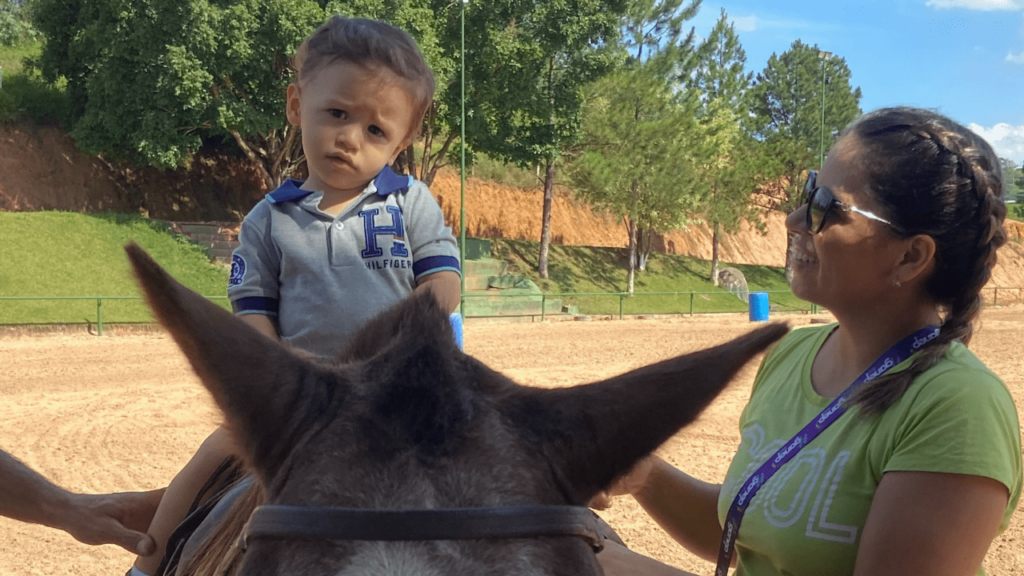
(758, 306)
(456, 320)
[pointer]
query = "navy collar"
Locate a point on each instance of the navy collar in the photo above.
(386, 182)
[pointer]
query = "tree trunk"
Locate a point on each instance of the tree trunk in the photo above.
(278, 157)
(545, 226)
(644, 239)
(632, 241)
(714, 256)
(268, 180)
(433, 162)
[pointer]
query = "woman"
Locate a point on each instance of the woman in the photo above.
(898, 233)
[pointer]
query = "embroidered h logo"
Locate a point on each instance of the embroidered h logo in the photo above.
(396, 229)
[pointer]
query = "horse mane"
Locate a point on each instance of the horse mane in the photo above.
(219, 555)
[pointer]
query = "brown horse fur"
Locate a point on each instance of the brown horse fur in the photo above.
(402, 419)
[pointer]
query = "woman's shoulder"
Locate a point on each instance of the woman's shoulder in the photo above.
(799, 341)
(962, 375)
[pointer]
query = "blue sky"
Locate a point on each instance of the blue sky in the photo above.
(964, 58)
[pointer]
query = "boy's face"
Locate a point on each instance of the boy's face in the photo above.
(354, 121)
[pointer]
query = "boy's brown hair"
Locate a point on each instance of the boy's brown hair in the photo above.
(369, 43)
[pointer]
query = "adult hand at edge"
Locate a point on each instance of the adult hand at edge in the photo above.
(629, 483)
(120, 518)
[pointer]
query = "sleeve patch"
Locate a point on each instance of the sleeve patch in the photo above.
(237, 270)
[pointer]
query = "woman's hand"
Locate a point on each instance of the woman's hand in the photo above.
(629, 483)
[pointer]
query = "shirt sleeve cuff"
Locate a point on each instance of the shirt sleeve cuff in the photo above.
(432, 264)
(255, 305)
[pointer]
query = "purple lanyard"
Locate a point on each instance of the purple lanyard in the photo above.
(898, 353)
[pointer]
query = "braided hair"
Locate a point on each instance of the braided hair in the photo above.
(935, 177)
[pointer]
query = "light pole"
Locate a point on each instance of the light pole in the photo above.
(823, 56)
(462, 170)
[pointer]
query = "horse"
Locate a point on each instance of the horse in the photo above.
(404, 455)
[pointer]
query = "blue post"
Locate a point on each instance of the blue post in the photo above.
(758, 306)
(456, 320)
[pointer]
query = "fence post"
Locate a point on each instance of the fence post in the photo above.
(543, 304)
(99, 316)
(995, 297)
(622, 298)
(691, 303)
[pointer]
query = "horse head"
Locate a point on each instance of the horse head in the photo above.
(402, 420)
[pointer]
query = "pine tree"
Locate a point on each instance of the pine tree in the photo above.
(718, 73)
(731, 168)
(656, 49)
(789, 114)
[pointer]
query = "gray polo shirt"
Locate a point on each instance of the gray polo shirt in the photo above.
(322, 276)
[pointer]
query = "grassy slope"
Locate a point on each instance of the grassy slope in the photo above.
(585, 269)
(69, 254)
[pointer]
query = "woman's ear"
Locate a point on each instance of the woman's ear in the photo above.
(293, 105)
(917, 259)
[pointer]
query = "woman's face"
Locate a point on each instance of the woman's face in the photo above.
(849, 264)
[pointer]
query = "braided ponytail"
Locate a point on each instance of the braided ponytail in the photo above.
(937, 178)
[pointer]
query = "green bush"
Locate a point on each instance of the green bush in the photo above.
(27, 94)
(24, 92)
(8, 107)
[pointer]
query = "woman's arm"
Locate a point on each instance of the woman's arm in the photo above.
(617, 560)
(682, 505)
(930, 523)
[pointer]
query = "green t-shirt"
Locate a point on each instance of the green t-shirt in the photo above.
(957, 417)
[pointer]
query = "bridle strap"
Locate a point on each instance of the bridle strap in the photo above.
(279, 521)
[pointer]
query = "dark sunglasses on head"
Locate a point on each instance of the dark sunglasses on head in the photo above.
(821, 201)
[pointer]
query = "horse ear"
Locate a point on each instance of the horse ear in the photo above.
(260, 385)
(594, 433)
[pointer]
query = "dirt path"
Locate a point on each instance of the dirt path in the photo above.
(124, 412)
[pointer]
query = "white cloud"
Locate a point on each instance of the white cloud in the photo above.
(1015, 58)
(745, 24)
(1007, 140)
(978, 4)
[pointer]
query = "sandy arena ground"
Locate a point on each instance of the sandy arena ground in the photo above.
(124, 412)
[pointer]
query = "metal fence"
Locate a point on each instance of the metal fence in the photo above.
(43, 320)
(592, 303)
(623, 303)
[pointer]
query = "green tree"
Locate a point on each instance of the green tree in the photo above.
(526, 64)
(638, 132)
(1018, 179)
(652, 34)
(15, 27)
(718, 71)
(1013, 182)
(152, 79)
(638, 140)
(787, 107)
(732, 167)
